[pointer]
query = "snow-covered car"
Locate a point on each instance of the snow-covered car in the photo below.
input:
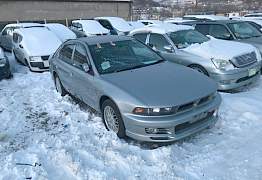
(231, 64)
(205, 17)
(139, 94)
(61, 31)
(147, 22)
(177, 21)
(232, 30)
(83, 28)
(255, 22)
(253, 16)
(4, 66)
(136, 24)
(33, 46)
(116, 25)
(6, 36)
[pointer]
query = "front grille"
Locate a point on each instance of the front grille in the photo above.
(245, 60)
(246, 78)
(187, 125)
(45, 58)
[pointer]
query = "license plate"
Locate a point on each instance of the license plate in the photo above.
(252, 72)
(46, 64)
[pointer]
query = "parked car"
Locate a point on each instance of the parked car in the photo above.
(231, 30)
(205, 17)
(6, 36)
(139, 94)
(255, 22)
(116, 25)
(61, 31)
(85, 28)
(231, 64)
(177, 21)
(253, 16)
(147, 22)
(4, 66)
(136, 24)
(33, 46)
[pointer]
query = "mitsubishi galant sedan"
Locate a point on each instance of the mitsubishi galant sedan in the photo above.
(139, 94)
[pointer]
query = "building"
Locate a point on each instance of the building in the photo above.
(62, 10)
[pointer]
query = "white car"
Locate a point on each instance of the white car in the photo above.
(6, 36)
(61, 31)
(177, 21)
(147, 22)
(231, 64)
(136, 24)
(33, 46)
(116, 25)
(253, 16)
(84, 28)
(205, 17)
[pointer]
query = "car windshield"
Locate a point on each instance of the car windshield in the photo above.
(185, 38)
(122, 56)
(244, 30)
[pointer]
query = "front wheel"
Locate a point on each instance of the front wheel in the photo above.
(112, 118)
(59, 87)
(199, 69)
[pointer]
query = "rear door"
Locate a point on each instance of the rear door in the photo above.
(84, 85)
(65, 67)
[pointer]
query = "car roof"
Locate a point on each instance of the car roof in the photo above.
(92, 26)
(103, 39)
(215, 22)
(24, 25)
(210, 17)
(164, 28)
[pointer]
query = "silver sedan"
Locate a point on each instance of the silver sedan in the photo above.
(139, 94)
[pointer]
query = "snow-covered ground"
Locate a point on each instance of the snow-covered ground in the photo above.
(45, 136)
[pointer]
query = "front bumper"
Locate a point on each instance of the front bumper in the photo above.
(180, 125)
(39, 66)
(237, 78)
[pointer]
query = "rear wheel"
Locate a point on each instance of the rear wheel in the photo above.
(59, 87)
(112, 118)
(199, 68)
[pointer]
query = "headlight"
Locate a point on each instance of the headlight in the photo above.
(2, 62)
(222, 64)
(35, 58)
(153, 111)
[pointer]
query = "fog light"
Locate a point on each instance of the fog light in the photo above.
(227, 81)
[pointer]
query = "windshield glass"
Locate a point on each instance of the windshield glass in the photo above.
(185, 38)
(244, 30)
(122, 55)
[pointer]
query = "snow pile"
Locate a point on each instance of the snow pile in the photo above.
(45, 136)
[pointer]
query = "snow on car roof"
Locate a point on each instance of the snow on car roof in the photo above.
(210, 17)
(152, 21)
(61, 31)
(136, 24)
(104, 39)
(24, 25)
(177, 20)
(118, 23)
(161, 29)
(92, 27)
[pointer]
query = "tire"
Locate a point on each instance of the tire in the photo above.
(199, 69)
(59, 87)
(119, 127)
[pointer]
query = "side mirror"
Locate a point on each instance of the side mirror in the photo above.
(86, 67)
(169, 49)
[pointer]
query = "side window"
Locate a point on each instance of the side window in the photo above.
(66, 53)
(106, 24)
(141, 37)
(80, 56)
(158, 42)
(202, 28)
(4, 33)
(219, 32)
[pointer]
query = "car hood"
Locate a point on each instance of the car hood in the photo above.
(256, 41)
(162, 85)
(220, 49)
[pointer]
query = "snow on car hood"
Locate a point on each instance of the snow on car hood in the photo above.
(220, 49)
(39, 41)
